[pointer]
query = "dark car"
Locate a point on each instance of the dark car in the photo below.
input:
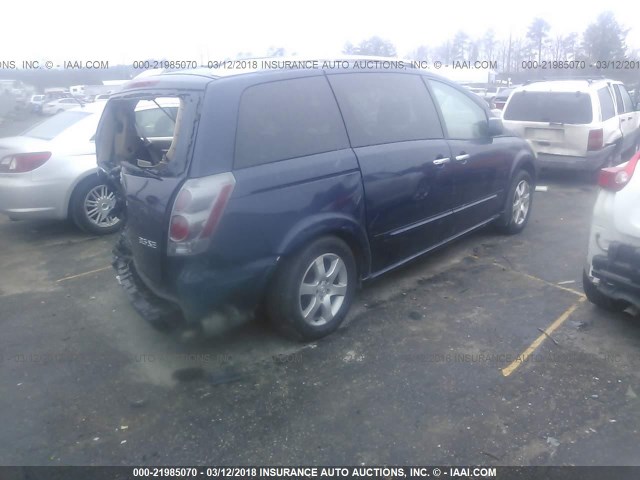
(500, 99)
(288, 188)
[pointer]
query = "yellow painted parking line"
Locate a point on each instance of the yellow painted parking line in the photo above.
(546, 333)
(82, 274)
(538, 279)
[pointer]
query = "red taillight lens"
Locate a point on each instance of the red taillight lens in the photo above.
(197, 211)
(596, 140)
(23, 162)
(217, 210)
(616, 178)
(179, 228)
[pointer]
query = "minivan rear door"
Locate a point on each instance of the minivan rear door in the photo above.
(148, 135)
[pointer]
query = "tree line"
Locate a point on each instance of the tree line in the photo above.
(602, 40)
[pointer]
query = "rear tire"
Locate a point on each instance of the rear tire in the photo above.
(518, 205)
(313, 290)
(90, 205)
(599, 299)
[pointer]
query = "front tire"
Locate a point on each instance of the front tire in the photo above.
(518, 205)
(91, 205)
(313, 290)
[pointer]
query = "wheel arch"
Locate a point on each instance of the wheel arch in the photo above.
(89, 174)
(344, 227)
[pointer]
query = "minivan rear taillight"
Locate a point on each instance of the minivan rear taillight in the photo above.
(596, 140)
(23, 162)
(197, 211)
(616, 178)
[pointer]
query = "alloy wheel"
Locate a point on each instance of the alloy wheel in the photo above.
(98, 205)
(323, 289)
(521, 202)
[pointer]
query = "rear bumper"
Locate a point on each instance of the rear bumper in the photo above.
(197, 289)
(22, 198)
(591, 162)
(618, 272)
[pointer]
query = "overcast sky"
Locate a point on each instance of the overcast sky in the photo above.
(121, 31)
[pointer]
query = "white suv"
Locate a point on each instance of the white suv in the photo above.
(575, 124)
(611, 276)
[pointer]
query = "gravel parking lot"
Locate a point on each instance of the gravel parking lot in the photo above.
(484, 353)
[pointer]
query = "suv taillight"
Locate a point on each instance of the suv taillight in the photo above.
(197, 211)
(616, 178)
(23, 162)
(596, 140)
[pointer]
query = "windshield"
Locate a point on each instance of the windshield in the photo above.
(550, 107)
(54, 126)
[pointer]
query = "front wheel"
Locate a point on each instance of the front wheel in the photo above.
(92, 205)
(313, 290)
(519, 203)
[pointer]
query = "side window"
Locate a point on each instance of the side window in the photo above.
(619, 102)
(626, 99)
(463, 118)
(606, 104)
(385, 108)
(287, 119)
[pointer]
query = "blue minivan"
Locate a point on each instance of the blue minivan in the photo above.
(288, 188)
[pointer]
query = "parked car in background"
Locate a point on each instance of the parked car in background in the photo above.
(292, 187)
(502, 95)
(50, 172)
(575, 124)
(611, 277)
(60, 105)
(36, 102)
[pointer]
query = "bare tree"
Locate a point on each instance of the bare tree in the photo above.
(537, 33)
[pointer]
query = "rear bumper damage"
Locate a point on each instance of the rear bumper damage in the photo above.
(159, 312)
(199, 290)
(618, 272)
(591, 162)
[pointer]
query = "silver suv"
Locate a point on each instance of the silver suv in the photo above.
(575, 124)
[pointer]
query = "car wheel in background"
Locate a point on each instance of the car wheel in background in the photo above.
(519, 203)
(313, 290)
(59, 111)
(599, 299)
(91, 205)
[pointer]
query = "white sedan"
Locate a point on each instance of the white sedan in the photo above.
(59, 105)
(50, 171)
(611, 277)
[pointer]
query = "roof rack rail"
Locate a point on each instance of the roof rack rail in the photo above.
(588, 78)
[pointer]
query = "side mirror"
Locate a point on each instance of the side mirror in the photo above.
(495, 127)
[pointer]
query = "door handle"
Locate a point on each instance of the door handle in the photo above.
(463, 157)
(441, 161)
(629, 118)
(622, 120)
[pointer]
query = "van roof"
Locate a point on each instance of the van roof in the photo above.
(582, 85)
(277, 64)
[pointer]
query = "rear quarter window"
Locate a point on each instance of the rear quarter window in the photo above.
(287, 119)
(607, 108)
(550, 107)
